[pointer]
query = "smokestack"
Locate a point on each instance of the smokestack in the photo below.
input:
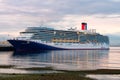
(84, 26)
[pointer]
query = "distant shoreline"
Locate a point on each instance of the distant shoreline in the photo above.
(114, 45)
(6, 48)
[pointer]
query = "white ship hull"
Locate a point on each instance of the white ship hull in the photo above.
(75, 45)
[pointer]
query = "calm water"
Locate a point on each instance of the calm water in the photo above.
(65, 59)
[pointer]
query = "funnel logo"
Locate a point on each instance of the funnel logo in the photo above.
(84, 26)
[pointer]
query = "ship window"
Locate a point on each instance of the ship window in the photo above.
(61, 34)
(54, 32)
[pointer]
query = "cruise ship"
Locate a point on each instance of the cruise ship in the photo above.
(44, 38)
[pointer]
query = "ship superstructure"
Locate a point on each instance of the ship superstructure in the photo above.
(43, 38)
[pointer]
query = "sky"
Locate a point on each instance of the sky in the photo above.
(102, 15)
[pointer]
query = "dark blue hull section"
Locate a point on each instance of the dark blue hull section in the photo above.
(21, 45)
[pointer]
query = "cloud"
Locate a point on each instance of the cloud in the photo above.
(19, 14)
(65, 7)
(115, 0)
(108, 16)
(57, 9)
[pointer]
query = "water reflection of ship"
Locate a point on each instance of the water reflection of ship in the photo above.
(68, 59)
(81, 59)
